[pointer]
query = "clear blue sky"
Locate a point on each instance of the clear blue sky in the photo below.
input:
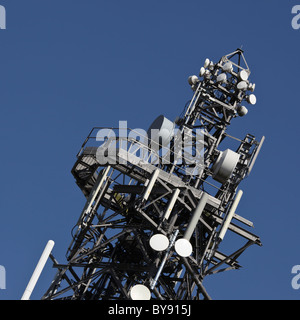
(69, 65)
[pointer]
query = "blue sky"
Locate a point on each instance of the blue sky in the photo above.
(69, 65)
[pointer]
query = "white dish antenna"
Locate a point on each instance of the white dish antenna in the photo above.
(159, 242)
(140, 292)
(193, 80)
(242, 85)
(183, 247)
(243, 75)
(206, 63)
(227, 67)
(221, 78)
(252, 99)
(202, 72)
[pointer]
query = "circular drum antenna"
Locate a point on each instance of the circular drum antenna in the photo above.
(161, 128)
(225, 165)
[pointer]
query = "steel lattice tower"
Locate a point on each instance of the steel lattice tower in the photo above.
(155, 217)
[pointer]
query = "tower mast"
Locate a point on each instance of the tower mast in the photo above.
(159, 206)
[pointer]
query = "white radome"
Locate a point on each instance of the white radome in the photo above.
(140, 292)
(159, 242)
(252, 99)
(183, 247)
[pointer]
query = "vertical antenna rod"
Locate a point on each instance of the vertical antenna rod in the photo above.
(38, 270)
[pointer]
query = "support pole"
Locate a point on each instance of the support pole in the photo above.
(195, 217)
(256, 155)
(150, 185)
(171, 204)
(230, 214)
(183, 246)
(38, 270)
(97, 186)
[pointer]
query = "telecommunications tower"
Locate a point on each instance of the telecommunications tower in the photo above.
(159, 204)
